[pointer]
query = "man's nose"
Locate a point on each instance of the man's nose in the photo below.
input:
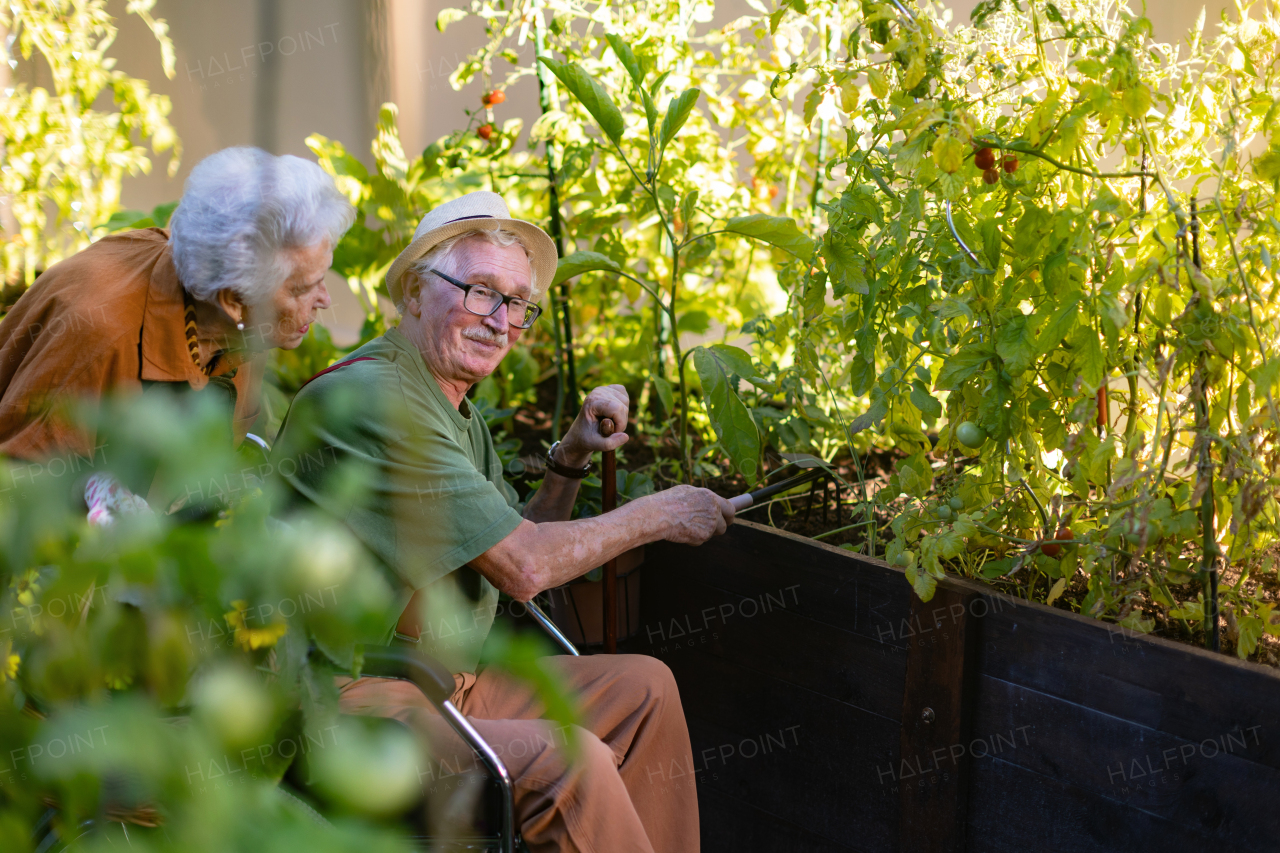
(497, 321)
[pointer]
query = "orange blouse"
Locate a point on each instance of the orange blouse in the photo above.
(105, 319)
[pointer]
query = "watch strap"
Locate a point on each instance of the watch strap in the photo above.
(564, 470)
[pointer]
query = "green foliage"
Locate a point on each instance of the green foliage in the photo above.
(923, 293)
(717, 367)
(805, 219)
(1069, 284)
(62, 156)
(185, 648)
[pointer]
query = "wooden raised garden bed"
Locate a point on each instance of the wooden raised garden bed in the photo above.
(831, 710)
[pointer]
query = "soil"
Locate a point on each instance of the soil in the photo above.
(822, 510)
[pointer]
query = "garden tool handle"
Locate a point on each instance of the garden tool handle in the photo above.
(746, 501)
(609, 501)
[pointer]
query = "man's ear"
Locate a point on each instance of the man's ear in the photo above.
(411, 292)
(229, 301)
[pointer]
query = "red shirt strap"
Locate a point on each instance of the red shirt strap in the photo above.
(334, 367)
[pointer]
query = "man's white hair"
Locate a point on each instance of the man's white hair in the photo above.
(444, 257)
(241, 207)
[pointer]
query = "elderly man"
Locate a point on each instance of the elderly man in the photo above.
(438, 514)
(241, 270)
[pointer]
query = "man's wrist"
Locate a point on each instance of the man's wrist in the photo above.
(566, 455)
(569, 465)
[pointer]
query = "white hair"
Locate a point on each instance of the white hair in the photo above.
(444, 257)
(241, 207)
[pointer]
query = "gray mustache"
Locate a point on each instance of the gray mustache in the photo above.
(480, 333)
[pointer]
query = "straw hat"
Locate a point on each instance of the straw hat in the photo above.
(473, 212)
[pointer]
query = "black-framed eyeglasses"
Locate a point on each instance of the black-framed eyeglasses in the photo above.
(484, 301)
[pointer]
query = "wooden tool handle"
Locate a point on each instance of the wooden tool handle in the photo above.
(608, 501)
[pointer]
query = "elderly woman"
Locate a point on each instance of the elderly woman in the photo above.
(240, 270)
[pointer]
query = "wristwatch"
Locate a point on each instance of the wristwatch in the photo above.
(565, 470)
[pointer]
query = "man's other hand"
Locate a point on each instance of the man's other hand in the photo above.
(584, 437)
(694, 515)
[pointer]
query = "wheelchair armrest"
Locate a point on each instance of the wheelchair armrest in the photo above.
(429, 674)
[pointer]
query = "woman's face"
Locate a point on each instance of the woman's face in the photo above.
(284, 321)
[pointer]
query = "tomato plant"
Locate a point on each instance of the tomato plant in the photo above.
(1121, 259)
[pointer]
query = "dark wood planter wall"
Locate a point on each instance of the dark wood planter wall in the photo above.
(831, 710)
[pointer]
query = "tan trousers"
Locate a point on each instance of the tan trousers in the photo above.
(632, 787)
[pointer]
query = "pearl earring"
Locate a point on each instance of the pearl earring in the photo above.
(240, 326)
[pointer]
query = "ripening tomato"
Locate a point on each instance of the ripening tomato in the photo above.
(985, 159)
(991, 176)
(497, 96)
(1011, 164)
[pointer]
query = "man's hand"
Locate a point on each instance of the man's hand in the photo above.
(584, 438)
(538, 556)
(694, 515)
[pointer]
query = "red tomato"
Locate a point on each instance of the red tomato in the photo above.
(985, 159)
(485, 131)
(1051, 550)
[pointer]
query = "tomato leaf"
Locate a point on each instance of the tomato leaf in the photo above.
(449, 16)
(845, 264)
(590, 94)
(861, 374)
(915, 475)
(730, 419)
(1060, 325)
(871, 416)
(780, 231)
(924, 401)
(1016, 343)
(963, 365)
(1090, 360)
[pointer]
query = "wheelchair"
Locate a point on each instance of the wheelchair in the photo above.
(498, 832)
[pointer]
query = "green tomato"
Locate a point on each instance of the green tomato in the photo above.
(956, 503)
(971, 435)
(323, 558)
(902, 560)
(944, 512)
(367, 767)
(233, 702)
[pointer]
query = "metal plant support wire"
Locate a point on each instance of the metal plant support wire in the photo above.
(946, 206)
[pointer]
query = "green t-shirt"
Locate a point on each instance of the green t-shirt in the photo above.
(377, 444)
